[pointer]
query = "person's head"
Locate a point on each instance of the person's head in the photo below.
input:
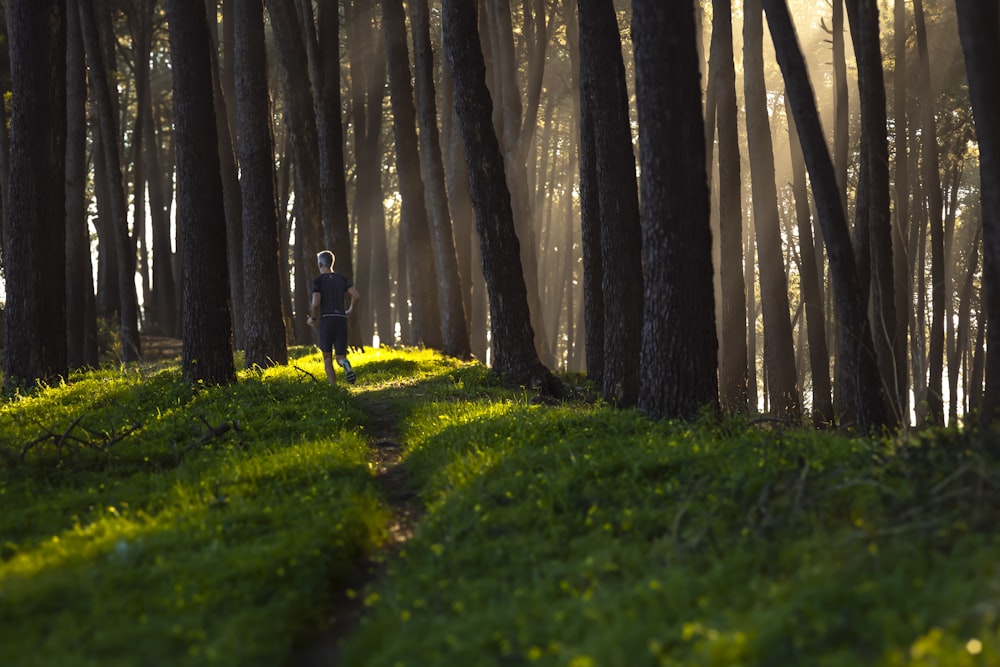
(325, 259)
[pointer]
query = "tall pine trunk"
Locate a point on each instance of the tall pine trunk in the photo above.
(779, 346)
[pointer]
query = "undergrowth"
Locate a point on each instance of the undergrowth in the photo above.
(146, 522)
(585, 536)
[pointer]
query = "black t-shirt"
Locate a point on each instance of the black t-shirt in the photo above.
(332, 288)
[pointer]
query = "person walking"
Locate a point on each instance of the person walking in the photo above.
(329, 292)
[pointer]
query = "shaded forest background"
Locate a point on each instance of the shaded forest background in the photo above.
(355, 107)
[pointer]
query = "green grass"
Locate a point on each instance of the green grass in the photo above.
(171, 546)
(586, 536)
(143, 522)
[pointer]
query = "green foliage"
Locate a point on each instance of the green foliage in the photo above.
(156, 523)
(587, 536)
(145, 521)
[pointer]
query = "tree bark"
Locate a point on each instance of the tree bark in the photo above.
(514, 354)
(901, 207)
(812, 294)
(231, 194)
(81, 318)
(863, 15)
(603, 92)
(366, 52)
(679, 344)
(131, 349)
(414, 227)
(932, 187)
(977, 27)
(35, 233)
(301, 125)
(733, 391)
(515, 128)
(454, 330)
(207, 353)
(590, 225)
(864, 400)
(263, 322)
(779, 346)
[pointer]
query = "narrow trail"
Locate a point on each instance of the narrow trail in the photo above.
(393, 480)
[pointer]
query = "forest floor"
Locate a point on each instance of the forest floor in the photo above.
(393, 482)
(159, 348)
(392, 478)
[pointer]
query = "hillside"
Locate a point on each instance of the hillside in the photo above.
(430, 516)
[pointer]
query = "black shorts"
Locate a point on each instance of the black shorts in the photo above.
(333, 334)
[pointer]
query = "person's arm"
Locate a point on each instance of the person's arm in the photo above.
(355, 297)
(313, 309)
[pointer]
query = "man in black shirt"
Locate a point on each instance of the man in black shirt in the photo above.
(329, 290)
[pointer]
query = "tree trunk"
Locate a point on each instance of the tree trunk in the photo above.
(81, 348)
(857, 354)
(602, 76)
(232, 196)
(779, 346)
(514, 354)
(733, 391)
(165, 288)
(414, 227)
(864, 19)
(516, 124)
(901, 207)
(301, 125)
(35, 233)
(932, 187)
(263, 322)
(841, 104)
(454, 330)
(118, 220)
(679, 344)
(366, 52)
(978, 23)
(207, 354)
(590, 225)
(812, 295)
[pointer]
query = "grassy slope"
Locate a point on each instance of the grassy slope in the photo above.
(159, 550)
(582, 536)
(570, 535)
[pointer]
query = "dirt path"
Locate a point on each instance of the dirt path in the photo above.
(392, 478)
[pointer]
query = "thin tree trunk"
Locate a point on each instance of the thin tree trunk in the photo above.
(932, 187)
(590, 223)
(81, 350)
(901, 207)
(602, 75)
(514, 353)
(733, 378)
(454, 330)
(302, 127)
(779, 345)
(875, 158)
(978, 23)
(415, 234)
(857, 354)
(131, 349)
(812, 295)
(263, 323)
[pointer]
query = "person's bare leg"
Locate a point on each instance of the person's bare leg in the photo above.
(348, 370)
(331, 374)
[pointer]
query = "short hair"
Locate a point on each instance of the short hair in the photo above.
(325, 258)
